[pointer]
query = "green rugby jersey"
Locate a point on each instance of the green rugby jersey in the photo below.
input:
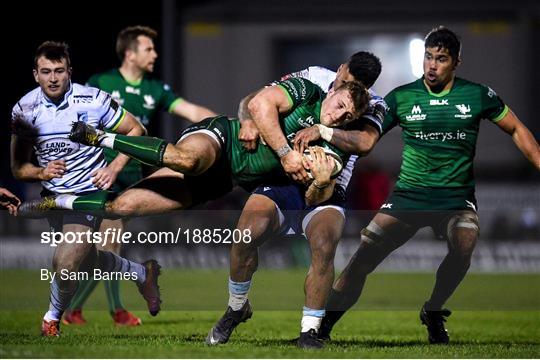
(143, 99)
(264, 164)
(440, 131)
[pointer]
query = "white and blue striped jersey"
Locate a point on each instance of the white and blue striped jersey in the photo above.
(374, 113)
(47, 125)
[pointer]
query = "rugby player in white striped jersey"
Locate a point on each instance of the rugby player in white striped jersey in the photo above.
(41, 122)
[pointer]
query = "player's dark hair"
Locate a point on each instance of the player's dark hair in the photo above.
(444, 38)
(359, 94)
(365, 67)
(54, 51)
(127, 39)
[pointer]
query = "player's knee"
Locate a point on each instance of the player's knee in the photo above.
(124, 205)
(372, 236)
(64, 265)
(188, 164)
(462, 232)
(323, 250)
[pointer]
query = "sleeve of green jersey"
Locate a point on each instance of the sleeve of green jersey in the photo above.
(168, 98)
(493, 108)
(390, 118)
(93, 81)
(298, 90)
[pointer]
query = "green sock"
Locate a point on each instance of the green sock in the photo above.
(94, 201)
(83, 292)
(112, 289)
(148, 150)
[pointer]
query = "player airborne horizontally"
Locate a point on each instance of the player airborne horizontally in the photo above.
(210, 150)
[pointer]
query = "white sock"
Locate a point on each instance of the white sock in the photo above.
(65, 201)
(310, 322)
(236, 301)
(107, 141)
(52, 315)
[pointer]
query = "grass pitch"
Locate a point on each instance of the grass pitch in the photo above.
(495, 316)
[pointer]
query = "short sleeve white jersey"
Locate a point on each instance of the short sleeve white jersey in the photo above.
(38, 120)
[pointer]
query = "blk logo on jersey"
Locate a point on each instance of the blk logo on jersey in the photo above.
(132, 90)
(438, 102)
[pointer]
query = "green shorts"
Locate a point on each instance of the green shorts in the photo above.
(420, 207)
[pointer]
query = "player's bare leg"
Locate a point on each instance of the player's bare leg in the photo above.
(67, 260)
(383, 235)
(323, 233)
(462, 236)
(259, 216)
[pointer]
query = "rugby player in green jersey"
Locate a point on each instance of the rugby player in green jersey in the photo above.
(136, 90)
(209, 160)
(278, 209)
(440, 116)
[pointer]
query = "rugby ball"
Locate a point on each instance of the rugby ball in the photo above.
(338, 164)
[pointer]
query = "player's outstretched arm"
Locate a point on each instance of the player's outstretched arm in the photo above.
(522, 137)
(192, 112)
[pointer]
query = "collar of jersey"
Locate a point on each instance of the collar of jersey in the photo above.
(130, 82)
(442, 93)
(63, 104)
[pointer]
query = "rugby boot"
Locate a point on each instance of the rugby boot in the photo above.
(309, 340)
(37, 208)
(50, 328)
(150, 288)
(434, 321)
(86, 134)
(221, 332)
(73, 317)
(122, 317)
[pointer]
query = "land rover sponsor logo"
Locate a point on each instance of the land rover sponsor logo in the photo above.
(56, 148)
